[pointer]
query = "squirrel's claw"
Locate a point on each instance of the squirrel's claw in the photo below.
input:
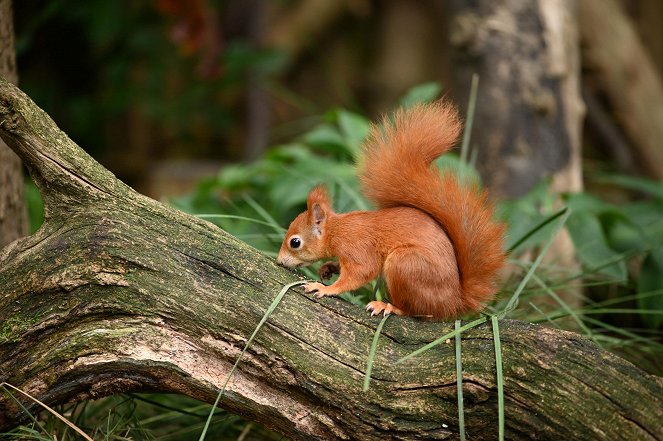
(318, 288)
(376, 307)
(312, 287)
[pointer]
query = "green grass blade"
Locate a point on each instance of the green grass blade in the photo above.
(624, 333)
(618, 258)
(269, 311)
(543, 314)
(624, 299)
(464, 149)
(48, 408)
(500, 377)
(564, 305)
(514, 298)
(535, 229)
(278, 228)
(377, 294)
(371, 353)
(27, 412)
(588, 311)
(459, 383)
(262, 212)
(442, 339)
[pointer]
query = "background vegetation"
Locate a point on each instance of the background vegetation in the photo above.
(173, 99)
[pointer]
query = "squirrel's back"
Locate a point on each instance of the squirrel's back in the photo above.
(396, 170)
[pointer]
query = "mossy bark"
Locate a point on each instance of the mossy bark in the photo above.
(117, 292)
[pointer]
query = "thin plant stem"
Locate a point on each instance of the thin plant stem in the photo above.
(269, 311)
(459, 383)
(371, 353)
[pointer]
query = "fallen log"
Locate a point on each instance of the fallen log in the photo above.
(117, 293)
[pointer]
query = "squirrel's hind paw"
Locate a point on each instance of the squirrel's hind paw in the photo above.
(375, 307)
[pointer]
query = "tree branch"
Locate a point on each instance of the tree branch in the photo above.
(117, 293)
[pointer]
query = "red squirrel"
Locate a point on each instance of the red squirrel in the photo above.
(432, 238)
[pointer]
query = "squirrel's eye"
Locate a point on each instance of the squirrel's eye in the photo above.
(295, 243)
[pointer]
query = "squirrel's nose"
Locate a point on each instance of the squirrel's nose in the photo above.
(286, 261)
(281, 260)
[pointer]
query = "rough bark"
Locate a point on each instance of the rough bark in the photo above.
(117, 292)
(529, 110)
(13, 214)
(625, 72)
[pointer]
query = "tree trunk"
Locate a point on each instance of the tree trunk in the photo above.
(117, 292)
(13, 214)
(529, 110)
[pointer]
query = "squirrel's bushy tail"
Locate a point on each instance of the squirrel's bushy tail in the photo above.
(396, 170)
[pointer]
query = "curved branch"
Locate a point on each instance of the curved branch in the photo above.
(117, 292)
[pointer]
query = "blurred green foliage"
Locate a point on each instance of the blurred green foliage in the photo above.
(96, 65)
(279, 182)
(619, 246)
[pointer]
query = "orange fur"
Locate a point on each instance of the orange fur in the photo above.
(432, 238)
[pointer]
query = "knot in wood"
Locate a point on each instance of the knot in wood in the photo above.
(9, 118)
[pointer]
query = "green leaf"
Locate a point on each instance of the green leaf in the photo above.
(423, 93)
(354, 129)
(235, 176)
(288, 153)
(524, 214)
(651, 279)
(35, 206)
(327, 138)
(535, 229)
(653, 188)
(513, 301)
(290, 192)
(589, 239)
(452, 163)
(622, 233)
(647, 215)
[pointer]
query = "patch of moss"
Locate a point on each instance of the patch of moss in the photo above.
(14, 327)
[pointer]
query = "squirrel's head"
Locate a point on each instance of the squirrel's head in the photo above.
(305, 242)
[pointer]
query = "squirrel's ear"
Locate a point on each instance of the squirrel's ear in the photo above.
(318, 194)
(318, 216)
(318, 213)
(318, 208)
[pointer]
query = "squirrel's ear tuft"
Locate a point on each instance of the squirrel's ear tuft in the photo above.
(318, 195)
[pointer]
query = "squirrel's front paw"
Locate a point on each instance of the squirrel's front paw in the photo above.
(318, 288)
